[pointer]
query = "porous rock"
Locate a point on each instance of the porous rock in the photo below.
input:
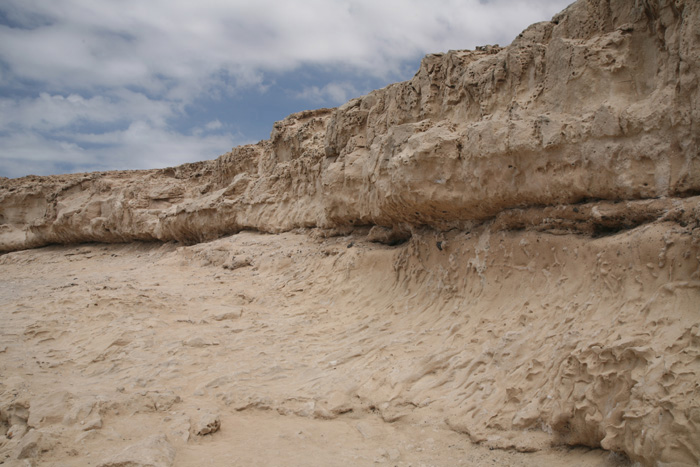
(206, 423)
(599, 103)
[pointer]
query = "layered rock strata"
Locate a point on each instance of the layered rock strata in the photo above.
(600, 103)
(585, 126)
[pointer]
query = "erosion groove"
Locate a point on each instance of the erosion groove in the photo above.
(506, 246)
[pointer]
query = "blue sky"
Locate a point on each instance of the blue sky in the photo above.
(91, 85)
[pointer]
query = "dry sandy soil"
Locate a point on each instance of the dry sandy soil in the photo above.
(278, 336)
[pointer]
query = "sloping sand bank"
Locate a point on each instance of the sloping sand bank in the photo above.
(338, 351)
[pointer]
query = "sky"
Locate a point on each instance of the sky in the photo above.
(89, 85)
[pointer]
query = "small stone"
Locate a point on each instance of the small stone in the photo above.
(92, 423)
(394, 454)
(382, 456)
(79, 411)
(199, 342)
(33, 444)
(51, 409)
(16, 431)
(237, 263)
(227, 315)
(206, 423)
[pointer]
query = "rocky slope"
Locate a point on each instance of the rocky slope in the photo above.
(558, 176)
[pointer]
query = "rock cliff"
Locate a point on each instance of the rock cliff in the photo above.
(586, 126)
(602, 102)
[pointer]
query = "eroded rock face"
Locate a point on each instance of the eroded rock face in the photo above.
(599, 103)
(583, 127)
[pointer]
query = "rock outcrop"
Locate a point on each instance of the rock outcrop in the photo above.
(602, 102)
(585, 126)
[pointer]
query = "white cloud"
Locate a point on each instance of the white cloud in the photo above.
(164, 43)
(140, 146)
(132, 67)
(51, 112)
(214, 125)
(143, 146)
(331, 93)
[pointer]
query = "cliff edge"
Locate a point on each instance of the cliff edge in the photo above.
(601, 103)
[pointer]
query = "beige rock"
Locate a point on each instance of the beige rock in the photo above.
(14, 413)
(154, 451)
(227, 315)
(16, 431)
(571, 110)
(51, 409)
(199, 341)
(34, 444)
(94, 422)
(541, 201)
(206, 423)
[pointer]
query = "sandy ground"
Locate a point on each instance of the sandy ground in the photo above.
(106, 348)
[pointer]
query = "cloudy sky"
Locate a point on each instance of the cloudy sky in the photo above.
(128, 84)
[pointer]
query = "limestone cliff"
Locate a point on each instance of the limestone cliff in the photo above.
(585, 125)
(602, 102)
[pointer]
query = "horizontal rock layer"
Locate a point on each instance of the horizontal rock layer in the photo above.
(600, 103)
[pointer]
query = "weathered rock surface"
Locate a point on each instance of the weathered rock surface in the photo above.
(602, 102)
(33, 444)
(155, 451)
(520, 253)
(206, 423)
(514, 338)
